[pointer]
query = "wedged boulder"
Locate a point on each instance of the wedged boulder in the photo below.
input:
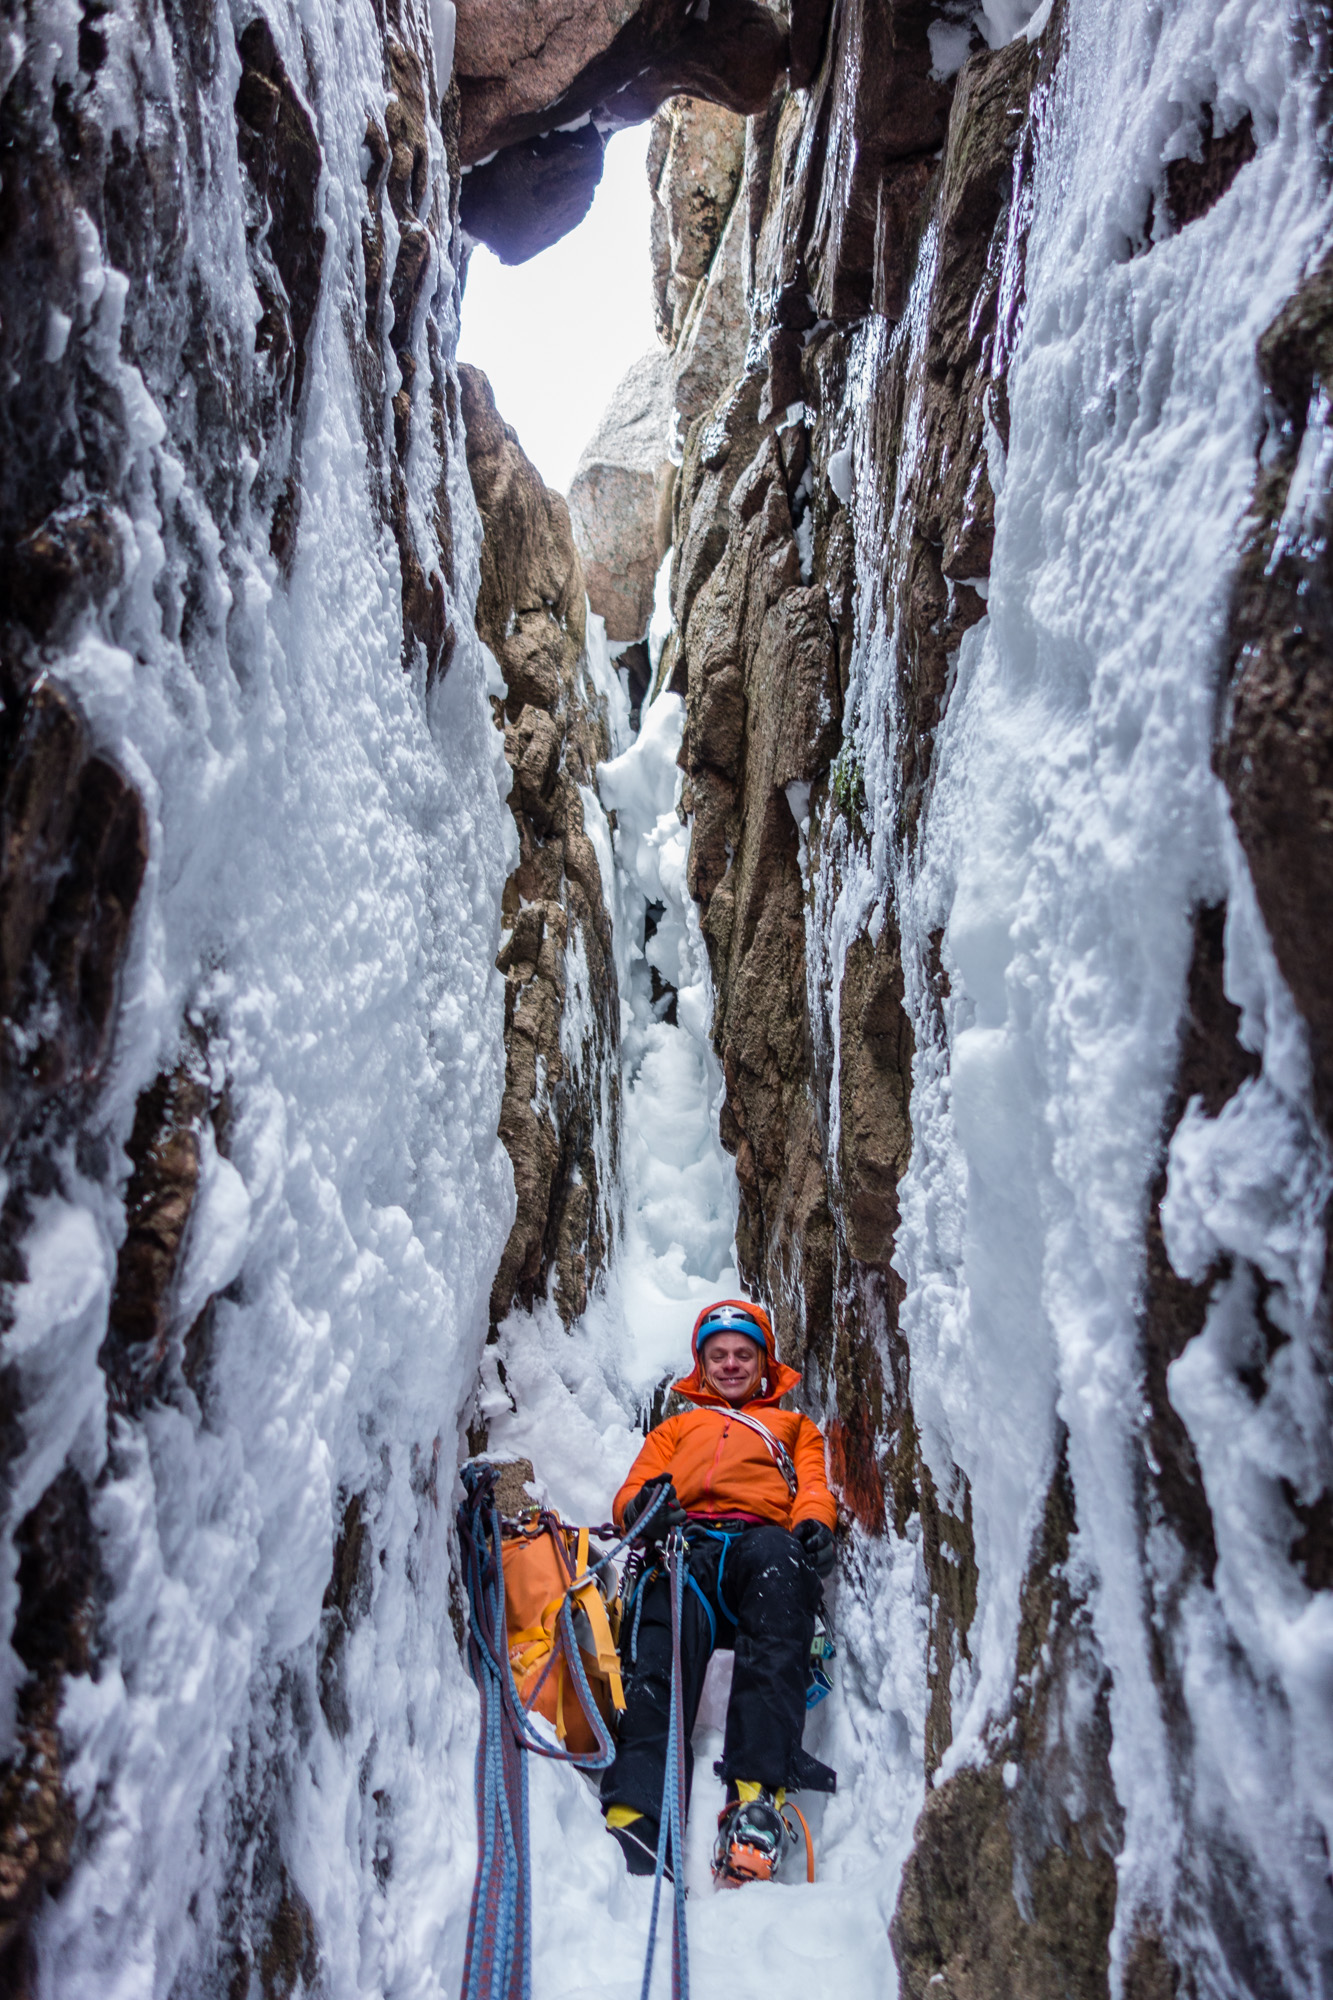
(526, 69)
(615, 498)
(514, 58)
(532, 194)
(530, 74)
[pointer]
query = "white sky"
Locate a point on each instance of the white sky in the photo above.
(555, 335)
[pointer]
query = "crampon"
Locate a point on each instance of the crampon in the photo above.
(753, 1836)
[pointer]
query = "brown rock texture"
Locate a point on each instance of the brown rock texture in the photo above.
(756, 608)
(530, 611)
(710, 352)
(1009, 1887)
(73, 848)
(53, 1636)
(538, 87)
(696, 154)
(514, 59)
(165, 1149)
(523, 71)
(616, 495)
(1276, 753)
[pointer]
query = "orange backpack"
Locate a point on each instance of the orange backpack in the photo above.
(546, 1561)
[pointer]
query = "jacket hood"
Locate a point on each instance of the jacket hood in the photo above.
(780, 1377)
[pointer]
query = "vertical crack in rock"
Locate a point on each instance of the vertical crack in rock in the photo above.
(560, 1116)
(884, 182)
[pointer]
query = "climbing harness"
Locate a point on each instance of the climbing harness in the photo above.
(498, 1961)
(671, 1824)
(564, 1635)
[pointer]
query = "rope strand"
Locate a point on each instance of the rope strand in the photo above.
(671, 1827)
(498, 1961)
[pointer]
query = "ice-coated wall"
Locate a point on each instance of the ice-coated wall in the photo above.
(242, 556)
(965, 886)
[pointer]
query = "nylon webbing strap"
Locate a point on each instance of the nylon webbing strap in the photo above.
(777, 1450)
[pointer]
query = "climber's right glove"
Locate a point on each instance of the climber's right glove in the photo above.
(817, 1541)
(668, 1516)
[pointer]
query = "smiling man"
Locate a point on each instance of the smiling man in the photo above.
(745, 1480)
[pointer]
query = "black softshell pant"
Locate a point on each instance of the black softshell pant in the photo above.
(765, 1610)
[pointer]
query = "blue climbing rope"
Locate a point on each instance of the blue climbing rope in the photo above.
(498, 1960)
(671, 1827)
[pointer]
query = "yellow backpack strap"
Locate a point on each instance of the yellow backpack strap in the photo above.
(590, 1601)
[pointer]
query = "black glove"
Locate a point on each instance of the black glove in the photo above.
(668, 1516)
(817, 1541)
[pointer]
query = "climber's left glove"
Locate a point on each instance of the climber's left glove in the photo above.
(817, 1542)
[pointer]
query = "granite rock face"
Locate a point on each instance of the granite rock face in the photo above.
(531, 613)
(696, 154)
(617, 495)
(1277, 751)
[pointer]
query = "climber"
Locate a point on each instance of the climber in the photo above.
(745, 1480)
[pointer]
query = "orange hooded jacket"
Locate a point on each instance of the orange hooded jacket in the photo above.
(721, 1468)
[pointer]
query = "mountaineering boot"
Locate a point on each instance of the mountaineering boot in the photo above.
(751, 1837)
(637, 1837)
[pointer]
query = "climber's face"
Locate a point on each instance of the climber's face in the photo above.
(733, 1364)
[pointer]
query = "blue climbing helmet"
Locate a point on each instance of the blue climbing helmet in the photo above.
(734, 1316)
